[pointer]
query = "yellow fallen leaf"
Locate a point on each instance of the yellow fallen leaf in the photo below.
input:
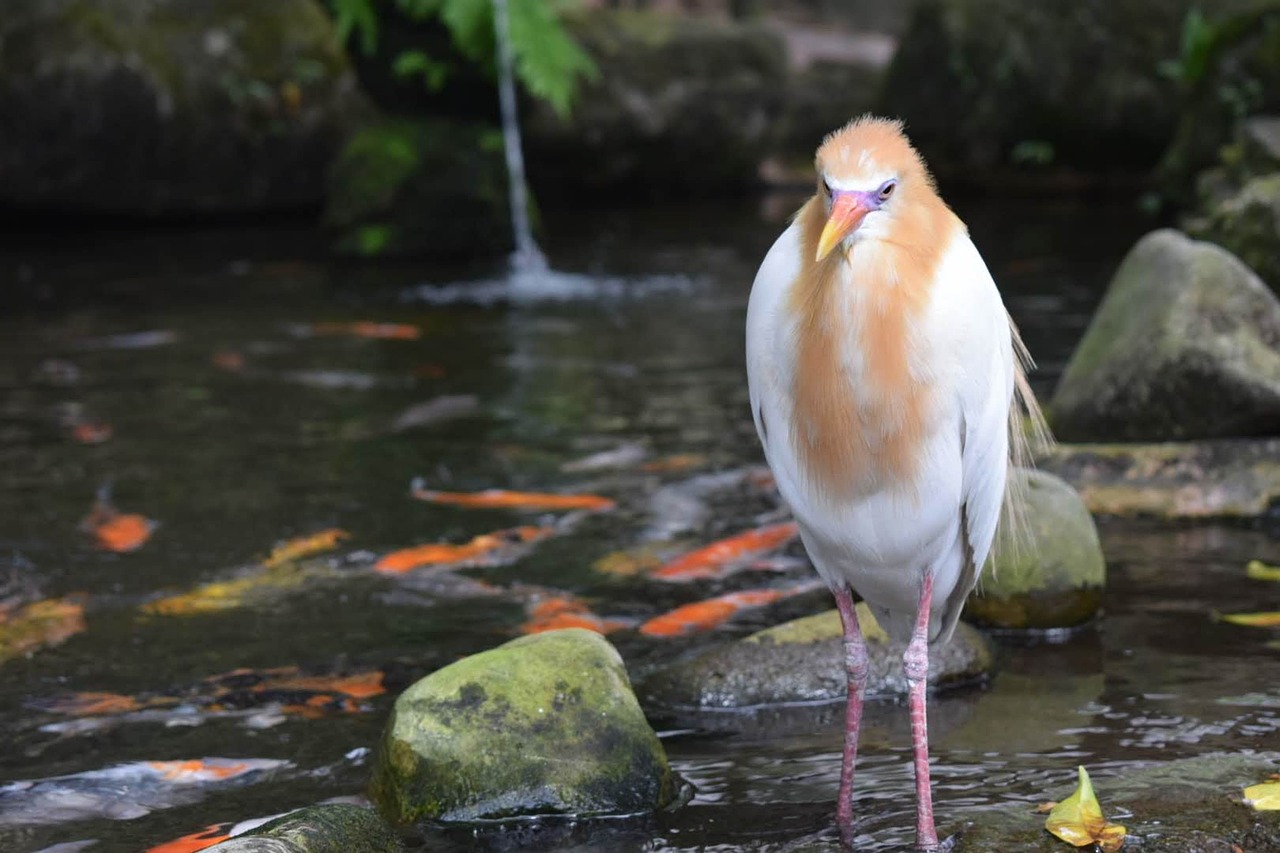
(1264, 797)
(1078, 820)
(1265, 619)
(1260, 571)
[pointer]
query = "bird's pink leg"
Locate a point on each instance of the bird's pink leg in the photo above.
(855, 662)
(916, 664)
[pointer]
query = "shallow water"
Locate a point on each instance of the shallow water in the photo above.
(296, 433)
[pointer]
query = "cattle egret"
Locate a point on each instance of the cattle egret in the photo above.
(887, 388)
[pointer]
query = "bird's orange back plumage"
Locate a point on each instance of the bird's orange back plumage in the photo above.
(851, 439)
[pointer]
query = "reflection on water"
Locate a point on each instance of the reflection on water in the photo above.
(236, 433)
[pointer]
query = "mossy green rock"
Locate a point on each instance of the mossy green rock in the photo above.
(803, 661)
(1053, 576)
(682, 105)
(431, 188)
(1248, 224)
(1195, 480)
(1185, 345)
(328, 828)
(544, 724)
(155, 107)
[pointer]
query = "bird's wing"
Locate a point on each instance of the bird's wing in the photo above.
(983, 354)
(765, 326)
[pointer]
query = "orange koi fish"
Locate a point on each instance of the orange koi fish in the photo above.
(214, 833)
(503, 499)
(305, 546)
(715, 559)
(714, 612)
(369, 329)
(485, 549)
(113, 530)
(91, 432)
(230, 360)
(566, 611)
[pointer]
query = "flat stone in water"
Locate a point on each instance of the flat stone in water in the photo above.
(327, 828)
(1237, 478)
(803, 661)
(1191, 805)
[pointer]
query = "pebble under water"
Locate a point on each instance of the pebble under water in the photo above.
(245, 408)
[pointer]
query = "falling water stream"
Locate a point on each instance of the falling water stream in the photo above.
(527, 257)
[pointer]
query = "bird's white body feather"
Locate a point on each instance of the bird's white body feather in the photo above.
(881, 535)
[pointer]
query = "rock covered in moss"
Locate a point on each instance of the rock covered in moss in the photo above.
(170, 106)
(1206, 479)
(989, 84)
(1050, 576)
(803, 661)
(1247, 223)
(543, 724)
(430, 187)
(1185, 345)
(682, 105)
(326, 828)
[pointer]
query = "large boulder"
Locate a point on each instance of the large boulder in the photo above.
(543, 724)
(154, 107)
(1185, 345)
(1049, 574)
(986, 84)
(803, 661)
(681, 105)
(430, 187)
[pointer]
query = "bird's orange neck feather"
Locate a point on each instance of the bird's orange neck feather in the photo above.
(856, 433)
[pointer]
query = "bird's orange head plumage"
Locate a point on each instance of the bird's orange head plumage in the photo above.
(875, 201)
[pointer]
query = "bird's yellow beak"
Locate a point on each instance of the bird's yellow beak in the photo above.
(847, 212)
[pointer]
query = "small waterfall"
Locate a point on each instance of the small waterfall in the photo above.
(527, 258)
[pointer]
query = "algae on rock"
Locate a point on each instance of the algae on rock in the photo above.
(546, 724)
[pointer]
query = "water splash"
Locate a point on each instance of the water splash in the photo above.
(527, 259)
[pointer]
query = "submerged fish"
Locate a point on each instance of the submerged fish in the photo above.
(503, 499)
(39, 624)
(224, 595)
(125, 791)
(113, 530)
(133, 340)
(281, 691)
(681, 507)
(364, 329)
(718, 558)
(435, 411)
(305, 546)
(622, 456)
(713, 612)
(558, 611)
(487, 549)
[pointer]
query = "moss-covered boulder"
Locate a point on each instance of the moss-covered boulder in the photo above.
(430, 188)
(546, 724)
(1185, 345)
(1248, 224)
(1051, 578)
(990, 84)
(1237, 479)
(681, 105)
(803, 661)
(328, 828)
(152, 107)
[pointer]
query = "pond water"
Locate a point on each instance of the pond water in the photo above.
(255, 413)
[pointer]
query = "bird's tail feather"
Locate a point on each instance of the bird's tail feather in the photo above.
(1029, 435)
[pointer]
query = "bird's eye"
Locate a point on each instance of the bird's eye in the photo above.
(887, 190)
(826, 189)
